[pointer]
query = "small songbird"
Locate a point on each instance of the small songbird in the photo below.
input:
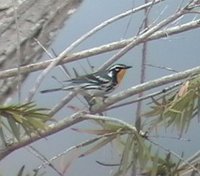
(96, 84)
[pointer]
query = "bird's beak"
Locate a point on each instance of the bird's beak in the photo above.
(127, 67)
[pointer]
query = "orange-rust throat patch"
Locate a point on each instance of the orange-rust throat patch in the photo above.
(121, 75)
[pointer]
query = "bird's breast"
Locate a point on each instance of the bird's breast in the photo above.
(120, 76)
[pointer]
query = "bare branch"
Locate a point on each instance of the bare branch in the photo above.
(62, 103)
(99, 50)
(146, 86)
(143, 37)
(79, 116)
(145, 97)
(19, 62)
(62, 55)
(63, 124)
(41, 157)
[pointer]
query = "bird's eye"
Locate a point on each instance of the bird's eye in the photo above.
(117, 69)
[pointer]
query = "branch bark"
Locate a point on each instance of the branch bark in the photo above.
(80, 116)
(99, 50)
(146, 86)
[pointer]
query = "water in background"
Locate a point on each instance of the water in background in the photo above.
(178, 52)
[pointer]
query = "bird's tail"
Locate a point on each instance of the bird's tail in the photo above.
(67, 88)
(51, 90)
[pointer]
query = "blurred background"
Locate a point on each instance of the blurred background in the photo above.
(179, 52)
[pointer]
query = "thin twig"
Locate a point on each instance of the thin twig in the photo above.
(163, 67)
(62, 103)
(61, 56)
(141, 38)
(144, 26)
(19, 62)
(62, 124)
(62, 67)
(192, 159)
(90, 141)
(99, 50)
(78, 117)
(175, 154)
(143, 67)
(146, 86)
(41, 157)
(145, 97)
(82, 144)
(115, 120)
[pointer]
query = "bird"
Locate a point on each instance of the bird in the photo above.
(98, 83)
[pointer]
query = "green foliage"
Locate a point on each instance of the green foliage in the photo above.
(22, 172)
(178, 109)
(135, 150)
(175, 109)
(17, 119)
(127, 140)
(162, 166)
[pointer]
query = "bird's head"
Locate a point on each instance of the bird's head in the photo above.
(118, 71)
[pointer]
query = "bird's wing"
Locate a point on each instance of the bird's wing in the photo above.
(95, 78)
